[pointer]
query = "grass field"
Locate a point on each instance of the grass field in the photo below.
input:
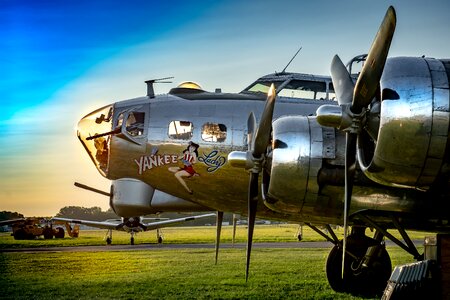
(177, 235)
(181, 235)
(171, 274)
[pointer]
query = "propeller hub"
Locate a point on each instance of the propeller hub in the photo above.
(330, 116)
(341, 117)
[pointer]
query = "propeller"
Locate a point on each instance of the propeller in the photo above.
(353, 100)
(258, 139)
(218, 231)
(257, 149)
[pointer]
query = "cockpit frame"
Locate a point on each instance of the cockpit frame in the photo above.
(294, 85)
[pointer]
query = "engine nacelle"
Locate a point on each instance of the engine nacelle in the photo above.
(412, 142)
(131, 197)
(299, 146)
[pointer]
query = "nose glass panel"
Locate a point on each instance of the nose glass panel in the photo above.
(94, 132)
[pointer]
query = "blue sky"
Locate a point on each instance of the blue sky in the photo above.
(62, 59)
(50, 43)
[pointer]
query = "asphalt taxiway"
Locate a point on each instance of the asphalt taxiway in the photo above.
(154, 247)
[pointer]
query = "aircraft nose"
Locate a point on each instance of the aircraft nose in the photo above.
(94, 131)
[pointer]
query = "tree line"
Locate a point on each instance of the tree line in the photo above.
(96, 214)
(9, 215)
(86, 213)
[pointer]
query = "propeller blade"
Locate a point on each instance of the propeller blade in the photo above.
(342, 81)
(251, 128)
(350, 164)
(219, 230)
(252, 206)
(262, 137)
(369, 78)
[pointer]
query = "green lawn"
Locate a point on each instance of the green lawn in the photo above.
(170, 274)
(177, 235)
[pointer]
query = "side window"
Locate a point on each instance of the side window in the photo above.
(213, 132)
(181, 130)
(119, 121)
(135, 123)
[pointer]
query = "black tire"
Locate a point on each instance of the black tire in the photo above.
(59, 233)
(132, 241)
(108, 241)
(160, 240)
(20, 234)
(333, 269)
(48, 233)
(366, 282)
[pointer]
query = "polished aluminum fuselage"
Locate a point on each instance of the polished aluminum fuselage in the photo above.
(222, 187)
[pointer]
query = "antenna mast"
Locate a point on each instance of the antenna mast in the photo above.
(291, 60)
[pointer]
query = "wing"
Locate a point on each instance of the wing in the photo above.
(103, 225)
(166, 223)
(145, 219)
(10, 222)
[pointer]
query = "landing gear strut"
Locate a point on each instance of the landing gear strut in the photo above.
(367, 265)
(132, 238)
(159, 236)
(299, 233)
(108, 237)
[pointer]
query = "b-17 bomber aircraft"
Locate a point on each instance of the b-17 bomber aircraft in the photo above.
(377, 157)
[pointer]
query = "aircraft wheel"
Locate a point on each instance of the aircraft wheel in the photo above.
(160, 240)
(132, 241)
(363, 281)
(108, 241)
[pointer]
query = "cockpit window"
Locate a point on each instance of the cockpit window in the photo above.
(213, 132)
(305, 89)
(181, 130)
(295, 85)
(263, 86)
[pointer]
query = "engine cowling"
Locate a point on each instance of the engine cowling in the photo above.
(300, 146)
(131, 197)
(412, 146)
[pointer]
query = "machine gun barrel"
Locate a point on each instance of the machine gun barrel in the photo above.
(92, 189)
